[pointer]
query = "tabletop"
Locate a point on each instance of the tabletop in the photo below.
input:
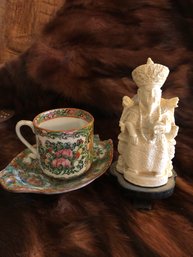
(96, 220)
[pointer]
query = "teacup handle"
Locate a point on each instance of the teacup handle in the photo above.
(23, 140)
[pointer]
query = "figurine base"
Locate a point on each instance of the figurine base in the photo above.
(142, 197)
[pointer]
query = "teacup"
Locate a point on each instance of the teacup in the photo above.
(64, 141)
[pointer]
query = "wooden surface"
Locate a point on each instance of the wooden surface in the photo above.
(21, 22)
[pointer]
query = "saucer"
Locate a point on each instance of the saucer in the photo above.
(24, 175)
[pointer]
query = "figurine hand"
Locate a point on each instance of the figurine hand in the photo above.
(159, 129)
(160, 137)
(134, 139)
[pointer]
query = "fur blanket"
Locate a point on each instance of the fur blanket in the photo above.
(84, 58)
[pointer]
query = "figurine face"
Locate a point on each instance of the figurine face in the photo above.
(149, 96)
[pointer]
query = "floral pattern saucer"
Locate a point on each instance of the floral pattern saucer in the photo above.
(24, 175)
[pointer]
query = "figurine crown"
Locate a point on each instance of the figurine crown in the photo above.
(150, 75)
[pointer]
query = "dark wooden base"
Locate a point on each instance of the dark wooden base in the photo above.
(142, 197)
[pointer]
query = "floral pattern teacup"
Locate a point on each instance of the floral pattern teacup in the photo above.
(64, 141)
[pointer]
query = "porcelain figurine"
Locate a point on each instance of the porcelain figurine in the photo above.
(146, 143)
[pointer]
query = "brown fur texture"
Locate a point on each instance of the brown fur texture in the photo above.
(84, 58)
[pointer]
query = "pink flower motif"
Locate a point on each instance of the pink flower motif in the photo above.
(54, 163)
(61, 162)
(50, 115)
(64, 152)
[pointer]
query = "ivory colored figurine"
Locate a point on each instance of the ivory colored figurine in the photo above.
(146, 143)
